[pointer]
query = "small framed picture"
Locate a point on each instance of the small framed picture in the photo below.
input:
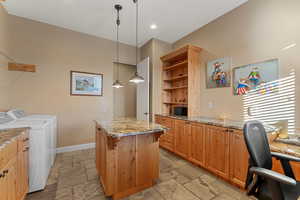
(86, 84)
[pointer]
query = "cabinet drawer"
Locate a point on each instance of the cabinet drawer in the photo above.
(168, 122)
(167, 145)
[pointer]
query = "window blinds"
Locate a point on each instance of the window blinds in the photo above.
(273, 102)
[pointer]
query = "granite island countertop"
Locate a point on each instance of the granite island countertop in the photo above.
(9, 135)
(227, 123)
(127, 127)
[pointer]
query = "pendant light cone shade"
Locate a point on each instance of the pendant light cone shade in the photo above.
(137, 78)
(117, 84)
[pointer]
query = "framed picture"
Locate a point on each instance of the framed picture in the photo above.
(86, 84)
(218, 73)
(251, 76)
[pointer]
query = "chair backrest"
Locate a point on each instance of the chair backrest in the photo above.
(257, 143)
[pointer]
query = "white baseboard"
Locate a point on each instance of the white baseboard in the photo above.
(75, 147)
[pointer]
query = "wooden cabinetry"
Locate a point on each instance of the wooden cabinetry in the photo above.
(295, 166)
(239, 158)
(182, 138)
(217, 151)
(166, 140)
(128, 164)
(181, 80)
(198, 133)
(14, 169)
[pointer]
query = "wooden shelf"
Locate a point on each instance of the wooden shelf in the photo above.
(177, 78)
(176, 88)
(175, 66)
(175, 103)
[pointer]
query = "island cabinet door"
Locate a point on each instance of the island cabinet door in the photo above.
(198, 132)
(217, 151)
(182, 138)
(238, 158)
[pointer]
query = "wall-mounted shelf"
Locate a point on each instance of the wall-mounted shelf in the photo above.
(181, 80)
(176, 88)
(172, 67)
(21, 67)
(176, 78)
(175, 103)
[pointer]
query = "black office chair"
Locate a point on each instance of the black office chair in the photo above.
(262, 182)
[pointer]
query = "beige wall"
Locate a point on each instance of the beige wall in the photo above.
(56, 52)
(155, 49)
(254, 32)
(4, 47)
(125, 98)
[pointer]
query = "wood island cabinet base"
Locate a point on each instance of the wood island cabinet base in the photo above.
(131, 191)
(128, 166)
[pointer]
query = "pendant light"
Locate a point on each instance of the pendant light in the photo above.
(117, 83)
(137, 78)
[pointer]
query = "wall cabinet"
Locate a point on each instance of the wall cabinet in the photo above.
(217, 150)
(14, 169)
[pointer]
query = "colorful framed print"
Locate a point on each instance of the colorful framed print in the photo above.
(251, 76)
(218, 73)
(86, 84)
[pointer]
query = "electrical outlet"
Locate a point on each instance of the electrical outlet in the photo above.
(210, 105)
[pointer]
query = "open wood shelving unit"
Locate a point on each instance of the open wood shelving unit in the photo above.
(181, 80)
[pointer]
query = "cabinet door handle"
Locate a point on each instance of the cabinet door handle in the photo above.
(26, 149)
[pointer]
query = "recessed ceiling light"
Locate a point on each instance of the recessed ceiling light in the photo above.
(153, 26)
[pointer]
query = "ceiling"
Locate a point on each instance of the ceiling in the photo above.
(174, 18)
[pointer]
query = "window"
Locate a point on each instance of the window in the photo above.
(273, 102)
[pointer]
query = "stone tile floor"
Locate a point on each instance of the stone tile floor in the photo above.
(74, 177)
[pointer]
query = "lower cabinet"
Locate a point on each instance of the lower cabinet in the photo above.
(197, 146)
(295, 166)
(182, 138)
(217, 151)
(14, 169)
(239, 158)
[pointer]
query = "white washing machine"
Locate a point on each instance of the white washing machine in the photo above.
(52, 119)
(39, 152)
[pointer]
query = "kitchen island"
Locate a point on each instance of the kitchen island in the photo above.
(127, 155)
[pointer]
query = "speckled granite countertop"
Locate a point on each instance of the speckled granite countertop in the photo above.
(285, 148)
(127, 127)
(216, 122)
(9, 135)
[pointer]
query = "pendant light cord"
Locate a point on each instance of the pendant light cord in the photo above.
(137, 32)
(118, 45)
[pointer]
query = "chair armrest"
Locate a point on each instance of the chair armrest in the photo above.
(269, 174)
(282, 156)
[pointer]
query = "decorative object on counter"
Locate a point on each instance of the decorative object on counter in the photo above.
(218, 73)
(137, 78)
(86, 84)
(255, 75)
(117, 83)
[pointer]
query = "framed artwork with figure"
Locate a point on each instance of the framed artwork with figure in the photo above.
(218, 73)
(251, 76)
(86, 84)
